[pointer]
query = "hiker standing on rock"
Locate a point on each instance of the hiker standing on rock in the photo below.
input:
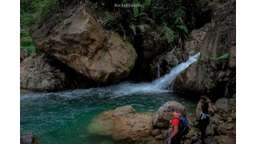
(179, 127)
(203, 111)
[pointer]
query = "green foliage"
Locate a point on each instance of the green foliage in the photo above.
(136, 10)
(145, 5)
(46, 8)
(108, 19)
(222, 57)
(140, 7)
(27, 43)
(168, 34)
(33, 12)
(169, 14)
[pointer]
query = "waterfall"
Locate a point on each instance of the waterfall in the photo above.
(159, 85)
(158, 70)
(167, 79)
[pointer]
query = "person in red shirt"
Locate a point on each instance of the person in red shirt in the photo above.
(175, 137)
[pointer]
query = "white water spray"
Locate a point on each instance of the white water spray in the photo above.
(158, 70)
(159, 85)
(166, 80)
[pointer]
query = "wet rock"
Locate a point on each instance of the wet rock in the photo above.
(134, 127)
(76, 39)
(124, 110)
(104, 123)
(123, 123)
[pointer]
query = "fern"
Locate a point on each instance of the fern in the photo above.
(182, 29)
(108, 19)
(135, 8)
(222, 57)
(168, 34)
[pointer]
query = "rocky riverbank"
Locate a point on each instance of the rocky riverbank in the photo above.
(124, 124)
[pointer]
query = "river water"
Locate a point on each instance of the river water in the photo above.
(63, 117)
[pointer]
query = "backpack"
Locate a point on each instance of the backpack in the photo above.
(184, 125)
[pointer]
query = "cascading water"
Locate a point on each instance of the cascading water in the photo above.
(159, 85)
(166, 80)
(158, 70)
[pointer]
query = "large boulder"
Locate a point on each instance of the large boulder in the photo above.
(215, 71)
(75, 38)
(40, 72)
(163, 115)
(122, 124)
(36, 73)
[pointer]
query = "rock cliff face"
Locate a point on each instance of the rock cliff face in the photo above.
(76, 39)
(215, 71)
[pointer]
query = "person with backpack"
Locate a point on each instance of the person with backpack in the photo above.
(203, 111)
(179, 128)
